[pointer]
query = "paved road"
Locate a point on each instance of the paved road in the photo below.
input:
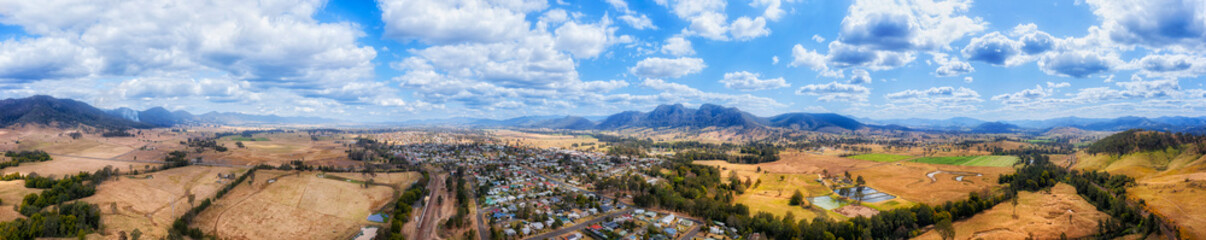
(144, 161)
(427, 221)
(579, 226)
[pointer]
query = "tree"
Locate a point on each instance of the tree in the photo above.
(121, 235)
(239, 144)
(796, 198)
(135, 234)
(1014, 201)
(945, 228)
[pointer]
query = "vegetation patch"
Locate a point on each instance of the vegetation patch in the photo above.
(987, 161)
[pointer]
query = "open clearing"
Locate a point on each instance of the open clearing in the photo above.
(61, 165)
(880, 157)
(909, 180)
(298, 205)
(548, 140)
(986, 161)
(1041, 215)
(145, 203)
(12, 192)
(280, 149)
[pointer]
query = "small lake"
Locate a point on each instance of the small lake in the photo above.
(825, 202)
(378, 218)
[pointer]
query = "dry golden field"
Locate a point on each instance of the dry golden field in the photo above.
(1040, 215)
(298, 205)
(145, 201)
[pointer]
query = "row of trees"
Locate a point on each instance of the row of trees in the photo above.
(402, 208)
(180, 227)
(16, 158)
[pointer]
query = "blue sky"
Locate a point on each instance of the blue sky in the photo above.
(394, 60)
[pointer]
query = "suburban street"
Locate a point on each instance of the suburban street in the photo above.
(578, 226)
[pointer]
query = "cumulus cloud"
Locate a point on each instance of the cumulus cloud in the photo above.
(27, 60)
(812, 60)
(899, 26)
(667, 67)
(747, 81)
(993, 48)
(860, 76)
(935, 99)
(678, 46)
(707, 18)
(834, 91)
(1154, 23)
(266, 45)
(585, 40)
(950, 67)
(1032, 40)
(457, 21)
(1077, 64)
(818, 38)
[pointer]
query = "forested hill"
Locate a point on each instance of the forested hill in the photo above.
(46, 110)
(1134, 140)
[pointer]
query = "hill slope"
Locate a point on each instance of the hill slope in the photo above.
(46, 110)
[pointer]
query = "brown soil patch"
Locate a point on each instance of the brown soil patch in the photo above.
(856, 210)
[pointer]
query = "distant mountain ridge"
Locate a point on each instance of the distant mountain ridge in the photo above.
(1171, 124)
(46, 110)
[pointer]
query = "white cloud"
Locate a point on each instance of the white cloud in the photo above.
(860, 76)
(457, 21)
(745, 28)
(812, 60)
(667, 67)
(28, 60)
(950, 67)
(994, 48)
(678, 46)
(935, 99)
(774, 60)
(585, 40)
(899, 26)
(1155, 24)
(640, 22)
(707, 19)
(968, 79)
(818, 38)
(1078, 64)
(835, 91)
(774, 9)
(265, 44)
(746, 81)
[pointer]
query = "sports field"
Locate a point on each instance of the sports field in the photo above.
(986, 161)
(880, 157)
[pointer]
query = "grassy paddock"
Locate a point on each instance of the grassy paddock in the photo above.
(880, 157)
(986, 161)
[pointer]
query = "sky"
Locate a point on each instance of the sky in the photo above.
(395, 60)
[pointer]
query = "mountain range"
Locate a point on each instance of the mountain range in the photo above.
(66, 112)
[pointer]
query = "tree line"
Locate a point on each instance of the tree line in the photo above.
(403, 207)
(16, 158)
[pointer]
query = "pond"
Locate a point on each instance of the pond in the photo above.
(825, 202)
(379, 217)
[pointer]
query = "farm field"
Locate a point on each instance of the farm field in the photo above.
(144, 201)
(986, 161)
(880, 157)
(912, 181)
(280, 149)
(297, 205)
(1041, 215)
(548, 140)
(61, 165)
